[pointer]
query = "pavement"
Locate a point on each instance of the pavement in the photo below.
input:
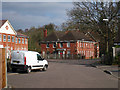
(113, 70)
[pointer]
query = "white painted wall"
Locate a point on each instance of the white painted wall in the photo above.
(10, 29)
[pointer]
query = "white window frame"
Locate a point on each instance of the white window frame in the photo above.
(9, 38)
(12, 38)
(4, 39)
(16, 40)
(47, 45)
(78, 44)
(22, 40)
(82, 44)
(25, 41)
(68, 44)
(68, 53)
(54, 45)
(19, 40)
(0, 37)
(61, 44)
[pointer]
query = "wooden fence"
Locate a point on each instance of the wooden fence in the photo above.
(2, 68)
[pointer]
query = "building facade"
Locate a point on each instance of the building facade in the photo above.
(10, 39)
(70, 44)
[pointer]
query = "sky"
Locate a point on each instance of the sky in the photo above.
(24, 15)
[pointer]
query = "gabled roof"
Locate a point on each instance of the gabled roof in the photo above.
(52, 37)
(2, 22)
(76, 35)
(70, 35)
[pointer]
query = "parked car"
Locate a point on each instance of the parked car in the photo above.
(27, 61)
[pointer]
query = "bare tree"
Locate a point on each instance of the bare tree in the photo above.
(101, 17)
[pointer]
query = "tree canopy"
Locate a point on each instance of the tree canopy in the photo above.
(99, 17)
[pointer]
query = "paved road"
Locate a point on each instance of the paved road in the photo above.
(64, 75)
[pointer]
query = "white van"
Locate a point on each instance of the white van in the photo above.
(27, 61)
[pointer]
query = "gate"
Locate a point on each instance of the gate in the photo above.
(3, 82)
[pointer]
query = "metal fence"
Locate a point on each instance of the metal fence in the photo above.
(64, 56)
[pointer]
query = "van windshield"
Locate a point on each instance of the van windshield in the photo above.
(17, 55)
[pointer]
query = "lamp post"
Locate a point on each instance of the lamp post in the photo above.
(106, 20)
(107, 59)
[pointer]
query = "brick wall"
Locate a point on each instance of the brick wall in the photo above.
(10, 45)
(86, 49)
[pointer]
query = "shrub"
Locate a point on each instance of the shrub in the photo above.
(117, 59)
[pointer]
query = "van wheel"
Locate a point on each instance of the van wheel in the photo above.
(45, 68)
(28, 70)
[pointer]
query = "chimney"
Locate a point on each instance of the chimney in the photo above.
(45, 33)
(66, 31)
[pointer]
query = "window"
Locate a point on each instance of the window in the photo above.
(81, 44)
(61, 44)
(11, 48)
(8, 38)
(12, 38)
(84, 45)
(84, 52)
(25, 41)
(0, 37)
(47, 46)
(68, 44)
(39, 57)
(54, 45)
(4, 38)
(68, 53)
(22, 40)
(78, 44)
(16, 40)
(19, 40)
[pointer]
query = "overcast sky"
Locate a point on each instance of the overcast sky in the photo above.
(24, 15)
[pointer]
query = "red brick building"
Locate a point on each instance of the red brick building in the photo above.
(71, 43)
(10, 39)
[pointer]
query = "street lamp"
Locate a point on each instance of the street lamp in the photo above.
(106, 20)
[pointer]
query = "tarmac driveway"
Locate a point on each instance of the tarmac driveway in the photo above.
(63, 75)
